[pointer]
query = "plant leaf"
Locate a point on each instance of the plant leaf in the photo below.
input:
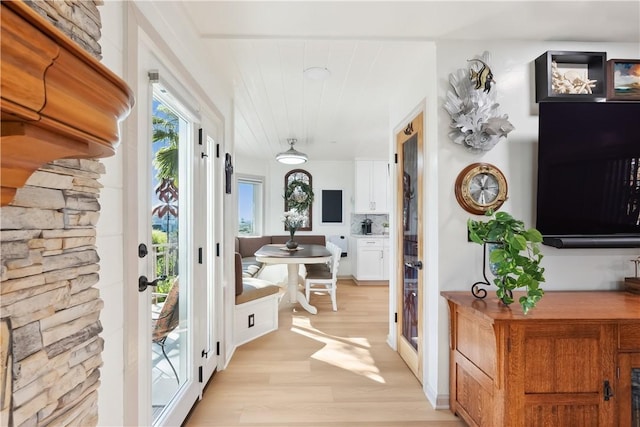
(532, 235)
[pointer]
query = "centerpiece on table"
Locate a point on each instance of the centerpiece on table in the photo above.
(293, 220)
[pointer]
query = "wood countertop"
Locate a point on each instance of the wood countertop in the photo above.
(554, 305)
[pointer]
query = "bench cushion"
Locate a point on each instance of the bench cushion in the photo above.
(250, 267)
(248, 288)
(255, 288)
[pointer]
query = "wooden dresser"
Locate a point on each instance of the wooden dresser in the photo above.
(567, 363)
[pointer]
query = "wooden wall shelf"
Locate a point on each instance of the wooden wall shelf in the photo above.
(57, 100)
(592, 63)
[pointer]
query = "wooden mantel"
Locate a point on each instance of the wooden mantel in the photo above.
(57, 100)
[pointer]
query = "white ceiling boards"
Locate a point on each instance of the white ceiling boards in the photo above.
(371, 49)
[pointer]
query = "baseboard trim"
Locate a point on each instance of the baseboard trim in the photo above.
(229, 357)
(370, 282)
(438, 401)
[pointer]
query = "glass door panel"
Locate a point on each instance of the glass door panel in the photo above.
(410, 289)
(169, 308)
(409, 244)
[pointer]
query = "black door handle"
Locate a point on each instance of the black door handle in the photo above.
(607, 390)
(411, 264)
(143, 282)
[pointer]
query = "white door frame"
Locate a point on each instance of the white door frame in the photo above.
(141, 48)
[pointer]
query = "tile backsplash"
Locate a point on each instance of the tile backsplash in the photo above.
(376, 225)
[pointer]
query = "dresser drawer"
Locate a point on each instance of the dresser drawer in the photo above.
(629, 335)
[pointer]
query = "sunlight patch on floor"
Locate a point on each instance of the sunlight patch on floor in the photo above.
(351, 354)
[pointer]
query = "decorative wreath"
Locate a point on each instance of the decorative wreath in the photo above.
(298, 195)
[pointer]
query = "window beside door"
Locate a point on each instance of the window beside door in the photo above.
(250, 205)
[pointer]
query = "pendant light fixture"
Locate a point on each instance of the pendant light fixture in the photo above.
(291, 156)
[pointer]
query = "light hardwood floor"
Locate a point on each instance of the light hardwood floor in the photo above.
(330, 369)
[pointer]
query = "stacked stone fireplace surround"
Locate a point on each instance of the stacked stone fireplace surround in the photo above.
(49, 305)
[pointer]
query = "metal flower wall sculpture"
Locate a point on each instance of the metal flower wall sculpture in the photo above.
(471, 102)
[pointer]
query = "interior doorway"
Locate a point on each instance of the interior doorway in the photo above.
(409, 243)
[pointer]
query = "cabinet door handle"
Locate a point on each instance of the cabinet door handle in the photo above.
(607, 390)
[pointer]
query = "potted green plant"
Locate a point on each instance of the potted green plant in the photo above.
(515, 259)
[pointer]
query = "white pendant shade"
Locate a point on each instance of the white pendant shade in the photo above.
(291, 156)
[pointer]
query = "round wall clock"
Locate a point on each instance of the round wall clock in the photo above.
(480, 187)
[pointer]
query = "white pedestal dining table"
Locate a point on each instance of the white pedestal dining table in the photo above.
(304, 254)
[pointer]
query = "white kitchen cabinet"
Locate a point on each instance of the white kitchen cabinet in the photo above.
(372, 258)
(372, 186)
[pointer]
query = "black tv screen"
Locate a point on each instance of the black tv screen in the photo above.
(589, 174)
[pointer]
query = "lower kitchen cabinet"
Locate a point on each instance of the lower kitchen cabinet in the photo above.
(372, 261)
(569, 362)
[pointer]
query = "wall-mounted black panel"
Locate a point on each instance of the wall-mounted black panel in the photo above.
(332, 206)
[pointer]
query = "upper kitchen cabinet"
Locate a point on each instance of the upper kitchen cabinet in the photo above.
(372, 182)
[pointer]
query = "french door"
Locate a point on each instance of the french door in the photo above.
(409, 244)
(173, 201)
(170, 260)
(178, 307)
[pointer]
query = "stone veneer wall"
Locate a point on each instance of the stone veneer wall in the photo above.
(49, 267)
(78, 19)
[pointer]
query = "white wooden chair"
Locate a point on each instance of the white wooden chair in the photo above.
(325, 281)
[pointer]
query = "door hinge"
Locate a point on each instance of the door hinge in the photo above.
(217, 348)
(395, 318)
(217, 249)
(200, 136)
(395, 158)
(199, 255)
(218, 151)
(204, 353)
(200, 374)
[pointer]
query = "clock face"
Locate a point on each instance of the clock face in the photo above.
(484, 188)
(480, 187)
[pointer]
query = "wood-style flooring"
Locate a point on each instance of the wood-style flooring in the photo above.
(329, 369)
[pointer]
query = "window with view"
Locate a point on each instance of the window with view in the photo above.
(250, 190)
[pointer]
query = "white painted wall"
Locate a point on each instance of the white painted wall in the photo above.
(110, 242)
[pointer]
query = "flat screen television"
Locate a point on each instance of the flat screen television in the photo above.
(589, 174)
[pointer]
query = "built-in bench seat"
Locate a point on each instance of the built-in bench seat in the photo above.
(256, 306)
